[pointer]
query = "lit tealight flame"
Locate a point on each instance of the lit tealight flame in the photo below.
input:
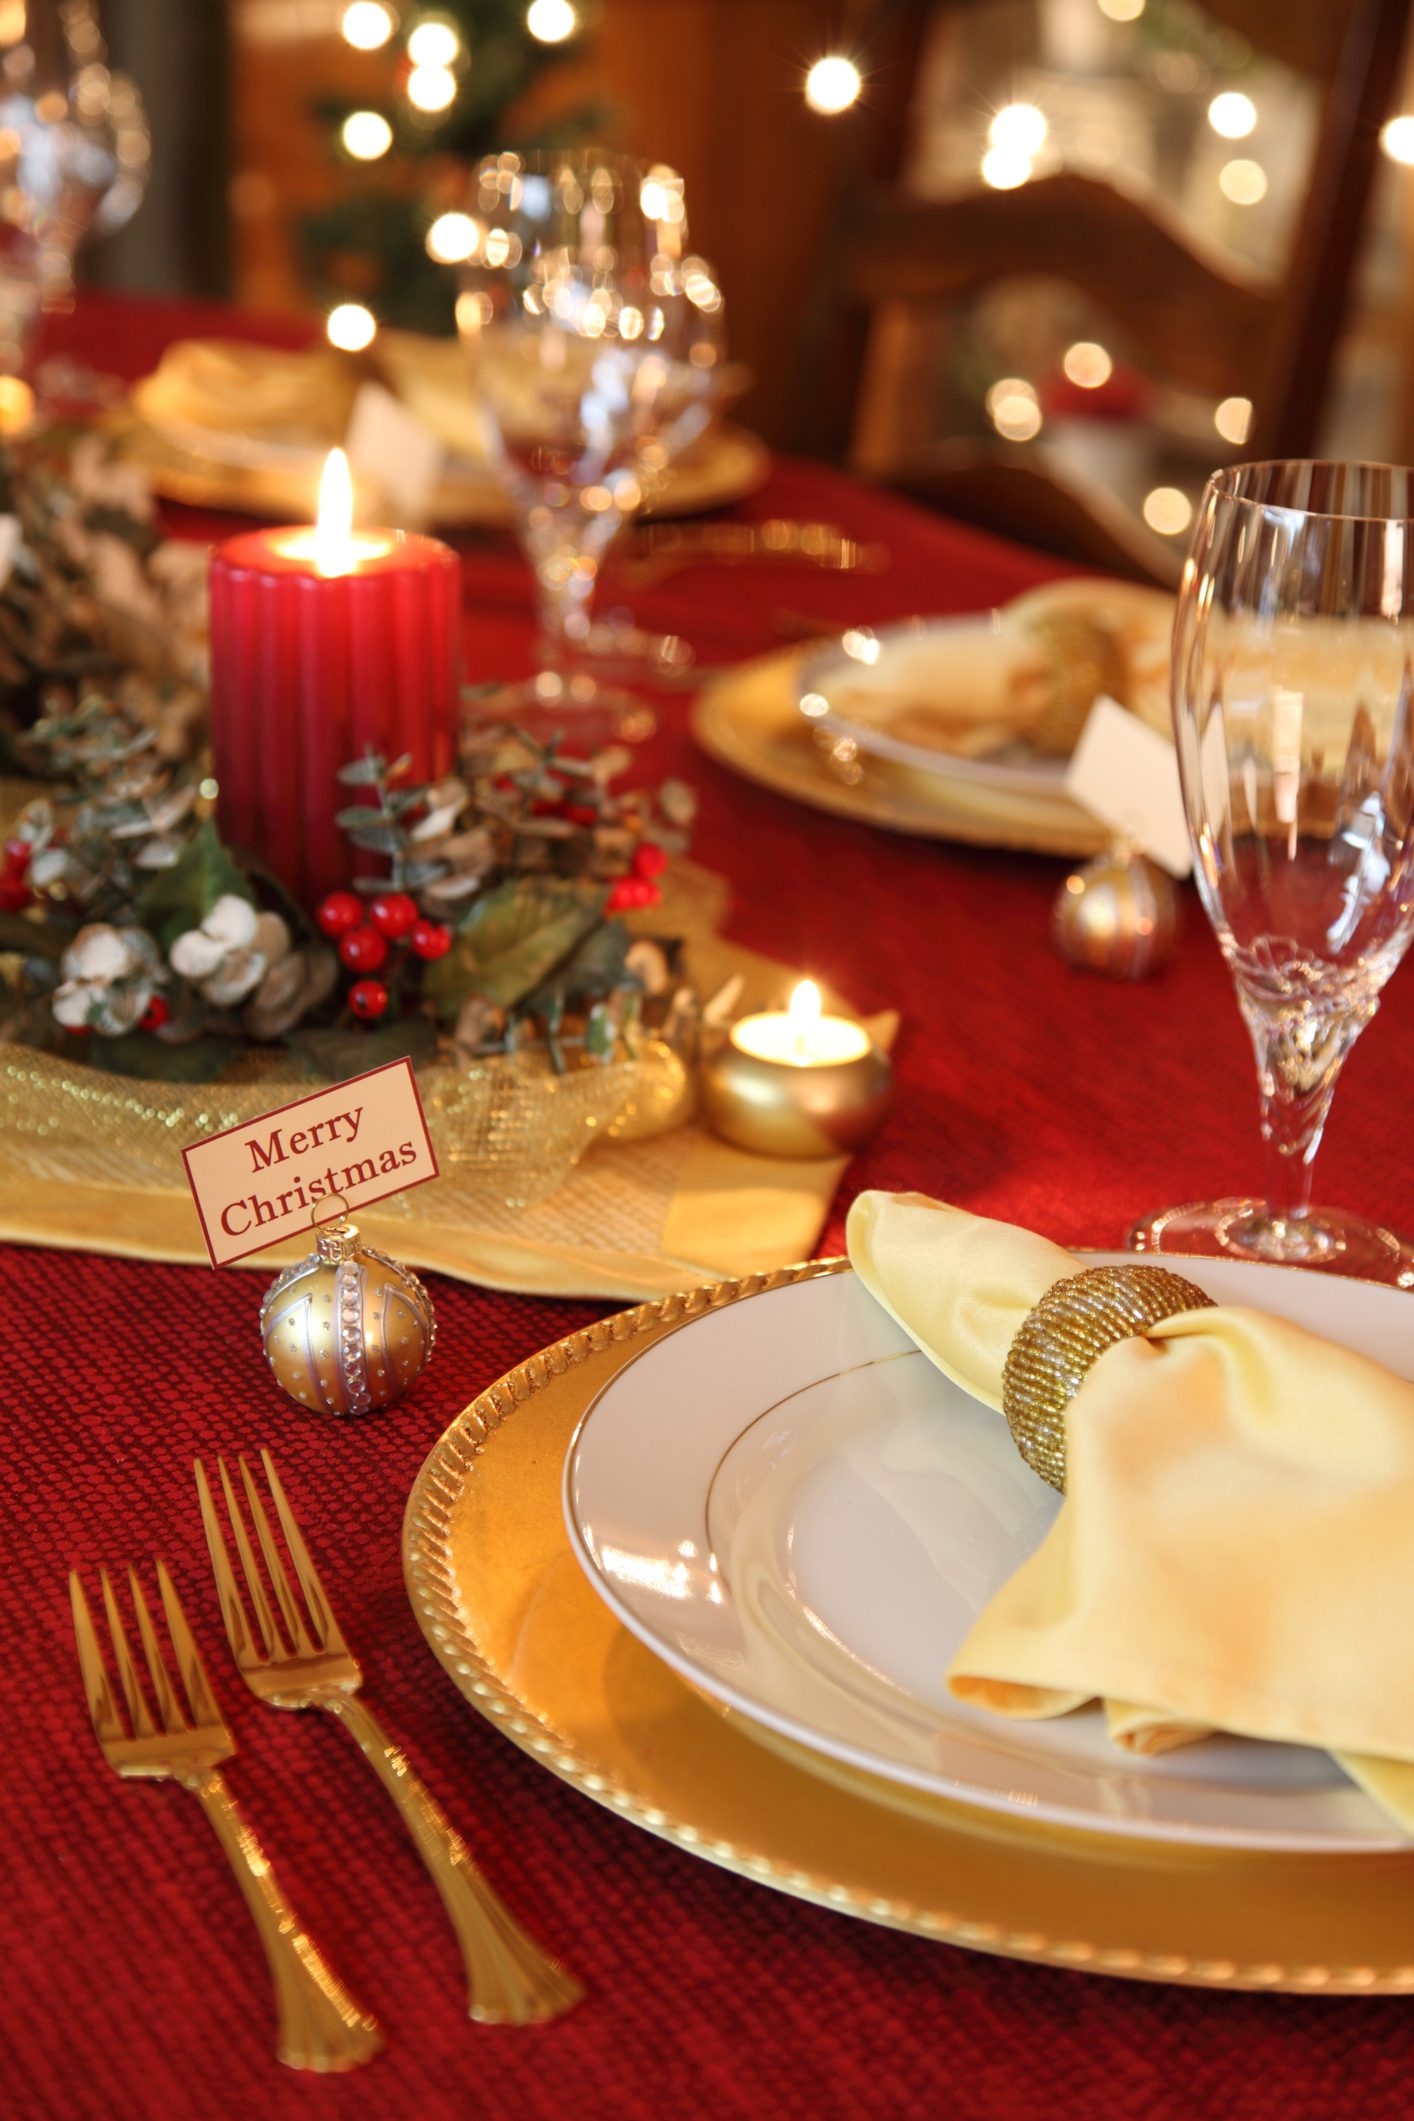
(333, 524)
(803, 1015)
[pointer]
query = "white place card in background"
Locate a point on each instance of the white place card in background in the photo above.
(1126, 775)
(390, 448)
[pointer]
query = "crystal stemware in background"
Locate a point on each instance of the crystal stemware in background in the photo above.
(74, 153)
(591, 364)
(1293, 669)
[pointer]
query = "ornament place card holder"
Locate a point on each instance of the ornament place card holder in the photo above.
(341, 1148)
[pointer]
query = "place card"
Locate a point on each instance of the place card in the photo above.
(1126, 775)
(390, 448)
(276, 1176)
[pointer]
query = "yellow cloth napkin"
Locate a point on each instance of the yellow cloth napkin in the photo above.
(1235, 1549)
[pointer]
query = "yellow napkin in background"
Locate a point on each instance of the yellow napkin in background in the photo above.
(1235, 1549)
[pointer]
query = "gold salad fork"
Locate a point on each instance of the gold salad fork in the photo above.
(302, 1661)
(176, 1734)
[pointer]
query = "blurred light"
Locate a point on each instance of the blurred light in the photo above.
(1088, 364)
(431, 87)
(1397, 139)
(1167, 510)
(1004, 170)
(551, 20)
(660, 195)
(1232, 114)
(1013, 409)
(474, 313)
(351, 327)
(367, 25)
(1121, 10)
(832, 84)
(1179, 71)
(16, 405)
(1018, 129)
(366, 135)
(452, 238)
(1233, 419)
(433, 44)
(1243, 182)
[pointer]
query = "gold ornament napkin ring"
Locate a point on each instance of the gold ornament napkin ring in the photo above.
(1055, 1344)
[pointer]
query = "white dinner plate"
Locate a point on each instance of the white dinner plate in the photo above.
(852, 691)
(789, 1504)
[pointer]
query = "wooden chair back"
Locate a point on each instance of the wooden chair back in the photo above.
(1196, 317)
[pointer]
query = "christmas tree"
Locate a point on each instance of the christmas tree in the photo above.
(458, 76)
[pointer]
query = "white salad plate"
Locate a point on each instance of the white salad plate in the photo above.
(855, 687)
(791, 1506)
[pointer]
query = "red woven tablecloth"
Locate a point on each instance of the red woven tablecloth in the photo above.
(132, 1987)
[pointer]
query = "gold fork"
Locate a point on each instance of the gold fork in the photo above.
(303, 1662)
(184, 1740)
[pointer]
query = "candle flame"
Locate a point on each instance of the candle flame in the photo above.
(805, 1006)
(333, 526)
(803, 1016)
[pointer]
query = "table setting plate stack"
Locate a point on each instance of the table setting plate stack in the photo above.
(784, 1520)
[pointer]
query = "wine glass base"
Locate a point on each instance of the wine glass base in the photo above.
(585, 712)
(1325, 1238)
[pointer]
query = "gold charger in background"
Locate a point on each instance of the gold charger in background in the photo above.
(509, 1614)
(725, 466)
(747, 719)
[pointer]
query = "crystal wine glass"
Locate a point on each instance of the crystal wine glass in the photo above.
(585, 348)
(74, 153)
(1293, 669)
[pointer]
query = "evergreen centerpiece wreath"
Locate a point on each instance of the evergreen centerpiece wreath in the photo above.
(135, 940)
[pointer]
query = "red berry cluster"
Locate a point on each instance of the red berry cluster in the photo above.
(366, 930)
(15, 892)
(640, 887)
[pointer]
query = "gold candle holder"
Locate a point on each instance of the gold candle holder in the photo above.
(797, 1083)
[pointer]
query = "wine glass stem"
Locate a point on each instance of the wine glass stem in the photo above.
(567, 547)
(1301, 1048)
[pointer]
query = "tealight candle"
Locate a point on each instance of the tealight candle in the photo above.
(325, 642)
(796, 1082)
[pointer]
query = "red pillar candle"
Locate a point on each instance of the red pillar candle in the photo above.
(325, 642)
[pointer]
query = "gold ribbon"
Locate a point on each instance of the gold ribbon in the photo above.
(1060, 1337)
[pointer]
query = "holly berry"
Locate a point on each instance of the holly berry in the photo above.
(430, 939)
(369, 998)
(630, 893)
(340, 912)
(363, 950)
(649, 861)
(155, 1015)
(393, 914)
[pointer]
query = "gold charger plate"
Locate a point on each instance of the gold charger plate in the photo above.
(727, 464)
(506, 1609)
(747, 719)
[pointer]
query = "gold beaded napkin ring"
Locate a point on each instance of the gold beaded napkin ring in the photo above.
(1055, 1344)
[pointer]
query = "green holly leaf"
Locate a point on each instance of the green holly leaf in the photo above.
(594, 969)
(511, 940)
(339, 1052)
(195, 1060)
(179, 898)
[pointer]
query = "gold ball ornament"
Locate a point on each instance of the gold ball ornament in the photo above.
(1075, 1321)
(348, 1330)
(1118, 915)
